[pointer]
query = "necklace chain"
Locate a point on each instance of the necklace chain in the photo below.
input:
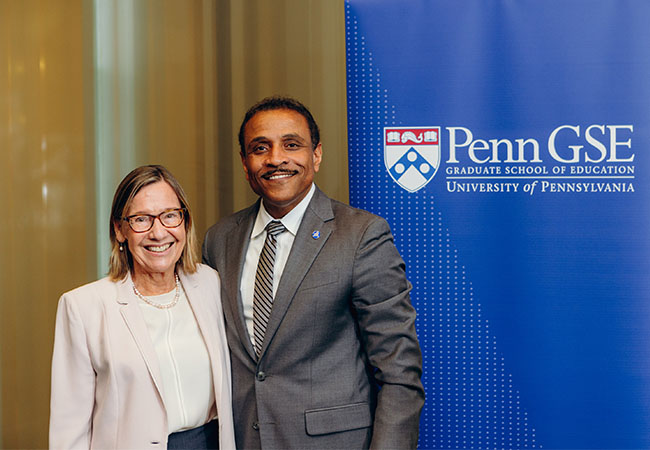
(161, 305)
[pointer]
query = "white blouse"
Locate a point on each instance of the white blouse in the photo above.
(184, 362)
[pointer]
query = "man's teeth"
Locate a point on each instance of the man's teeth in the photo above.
(159, 248)
(280, 175)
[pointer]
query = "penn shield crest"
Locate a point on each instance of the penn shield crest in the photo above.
(412, 155)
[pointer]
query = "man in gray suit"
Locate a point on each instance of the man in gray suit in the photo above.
(318, 315)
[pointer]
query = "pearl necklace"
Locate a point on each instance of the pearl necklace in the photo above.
(161, 305)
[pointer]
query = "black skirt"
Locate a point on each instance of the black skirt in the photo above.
(203, 437)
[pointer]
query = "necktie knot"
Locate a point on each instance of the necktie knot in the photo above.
(274, 228)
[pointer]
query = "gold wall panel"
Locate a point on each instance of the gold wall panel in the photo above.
(47, 215)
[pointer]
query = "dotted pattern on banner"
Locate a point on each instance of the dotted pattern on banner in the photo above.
(471, 401)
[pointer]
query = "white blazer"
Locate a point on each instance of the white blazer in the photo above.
(106, 382)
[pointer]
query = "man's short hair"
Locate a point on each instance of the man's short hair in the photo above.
(273, 103)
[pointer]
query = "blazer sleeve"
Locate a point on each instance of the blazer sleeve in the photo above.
(73, 381)
(387, 323)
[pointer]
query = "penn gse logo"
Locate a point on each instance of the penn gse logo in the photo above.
(412, 155)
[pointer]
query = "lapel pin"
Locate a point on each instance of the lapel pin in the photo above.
(315, 234)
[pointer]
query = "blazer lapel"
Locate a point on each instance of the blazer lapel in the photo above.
(193, 291)
(318, 218)
(132, 315)
(236, 247)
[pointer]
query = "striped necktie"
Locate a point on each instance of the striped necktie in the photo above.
(263, 293)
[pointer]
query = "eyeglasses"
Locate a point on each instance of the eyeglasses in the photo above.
(170, 218)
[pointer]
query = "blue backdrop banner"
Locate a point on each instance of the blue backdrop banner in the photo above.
(507, 143)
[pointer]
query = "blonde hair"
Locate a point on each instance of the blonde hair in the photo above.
(121, 262)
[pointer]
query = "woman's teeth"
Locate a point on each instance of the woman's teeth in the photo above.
(159, 248)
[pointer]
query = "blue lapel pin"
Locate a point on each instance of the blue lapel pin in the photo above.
(315, 234)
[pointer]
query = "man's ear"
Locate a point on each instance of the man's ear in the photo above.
(243, 163)
(318, 156)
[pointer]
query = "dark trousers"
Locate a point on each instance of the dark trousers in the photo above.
(204, 437)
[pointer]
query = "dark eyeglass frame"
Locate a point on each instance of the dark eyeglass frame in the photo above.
(183, 212)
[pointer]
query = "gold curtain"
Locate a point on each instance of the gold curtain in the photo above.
(91, 88)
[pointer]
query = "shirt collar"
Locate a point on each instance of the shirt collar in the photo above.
(291, 220)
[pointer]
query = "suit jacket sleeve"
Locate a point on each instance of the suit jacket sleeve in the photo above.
(73, 381)
(387, 323)
(205, 254)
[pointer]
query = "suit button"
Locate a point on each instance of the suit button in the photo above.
(256, 426)
(261, 376)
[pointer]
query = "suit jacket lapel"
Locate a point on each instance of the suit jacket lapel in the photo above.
(132, 315)
(318, 218)
(236, 247)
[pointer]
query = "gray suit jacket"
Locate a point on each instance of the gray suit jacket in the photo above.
(340, 365)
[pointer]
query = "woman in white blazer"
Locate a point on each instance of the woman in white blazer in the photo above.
(140, 357)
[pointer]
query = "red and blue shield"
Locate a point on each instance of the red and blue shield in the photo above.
(412, 155)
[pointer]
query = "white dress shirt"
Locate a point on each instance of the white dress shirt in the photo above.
(291, 221)
(184, 362)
